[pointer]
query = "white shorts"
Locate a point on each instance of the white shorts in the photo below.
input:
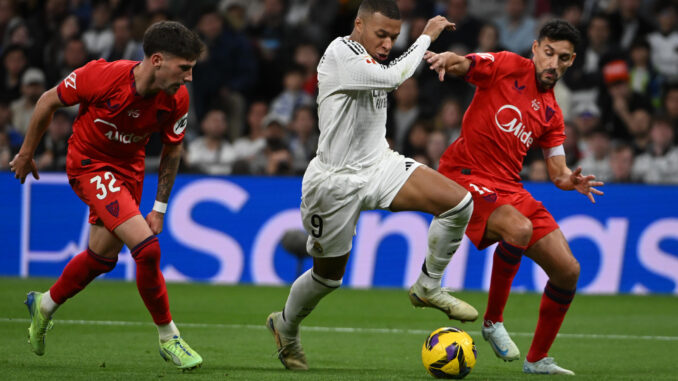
(332, 199)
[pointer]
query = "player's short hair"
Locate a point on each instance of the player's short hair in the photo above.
(388, 8)
(559, 30)
(173, 38)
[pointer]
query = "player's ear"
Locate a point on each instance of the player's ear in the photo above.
(535, 44)
(358, 24)
(156, 60)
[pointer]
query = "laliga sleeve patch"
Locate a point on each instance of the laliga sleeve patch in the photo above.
(180, 124)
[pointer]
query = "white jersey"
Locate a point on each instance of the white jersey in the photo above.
(352, 101)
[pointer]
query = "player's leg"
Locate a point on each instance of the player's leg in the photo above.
(452, 206)
(100, 257)
(145, 249)
(513, 232)
(553, 254)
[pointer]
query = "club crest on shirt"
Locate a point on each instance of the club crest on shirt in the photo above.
(113, 208)
(549, 113)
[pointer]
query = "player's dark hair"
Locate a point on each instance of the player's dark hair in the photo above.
(559, 30)
(388, 8)
(173, 38)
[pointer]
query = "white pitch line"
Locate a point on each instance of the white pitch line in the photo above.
(343, 329)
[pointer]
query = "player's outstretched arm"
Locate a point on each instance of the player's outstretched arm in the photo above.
(23, 162)
(565, 179)
(169, 165)
(447, 62)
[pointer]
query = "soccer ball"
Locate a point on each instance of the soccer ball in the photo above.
(449, 353)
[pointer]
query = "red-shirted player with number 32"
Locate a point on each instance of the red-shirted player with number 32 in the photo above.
(121, 104)
(512, 109)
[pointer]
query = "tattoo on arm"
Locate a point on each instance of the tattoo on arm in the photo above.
(169, 165)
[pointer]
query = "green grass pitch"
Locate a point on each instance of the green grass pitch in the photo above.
(105, 333)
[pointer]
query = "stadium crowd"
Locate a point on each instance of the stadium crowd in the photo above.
(253, 92)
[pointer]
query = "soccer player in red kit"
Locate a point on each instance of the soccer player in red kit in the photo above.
(121, 104)
(512, 109)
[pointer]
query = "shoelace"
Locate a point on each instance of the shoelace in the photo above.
(446, 291)
(294, 348)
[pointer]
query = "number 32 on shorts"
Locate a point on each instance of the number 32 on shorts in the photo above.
(101, 188)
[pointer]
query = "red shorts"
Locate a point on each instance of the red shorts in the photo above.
(112, 197)
(487, 198)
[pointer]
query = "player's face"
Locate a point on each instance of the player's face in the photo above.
(377, 33)
(551, 60)
(173, 72)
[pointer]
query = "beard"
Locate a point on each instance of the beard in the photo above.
(547, 83)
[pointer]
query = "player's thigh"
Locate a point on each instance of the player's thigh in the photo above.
(553, 254)
(428, 191)
(330, 267)
(103, 242)
(509, 224)
(133, 231)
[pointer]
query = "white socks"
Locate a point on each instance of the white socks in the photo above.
(444, 238)
(167, 331)
(305, 294)
(47, 305)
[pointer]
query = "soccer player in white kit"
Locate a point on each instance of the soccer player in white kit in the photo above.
(355, 170)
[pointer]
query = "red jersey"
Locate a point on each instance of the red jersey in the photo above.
(114, 122)
(507, 115)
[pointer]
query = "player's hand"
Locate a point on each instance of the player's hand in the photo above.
(155, 221)
(22, 165)
(585, 184)
(436, 25)
(437, 62)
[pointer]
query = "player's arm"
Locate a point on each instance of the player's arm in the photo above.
(448, 63)
(23, 162)
(359, 71)
(169, 166)
(565, 179)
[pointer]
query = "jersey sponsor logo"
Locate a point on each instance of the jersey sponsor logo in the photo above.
(549, 113)
(380, 99)
(70, 81)
(512, 122)
(125, 138)
(180, 125)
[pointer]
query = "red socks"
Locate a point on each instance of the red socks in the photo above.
(150, 282)
(554, 304)
(77, 274)
(505, 265)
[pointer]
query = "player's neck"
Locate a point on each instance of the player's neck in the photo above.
(143, 80)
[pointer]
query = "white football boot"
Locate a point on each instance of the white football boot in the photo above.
(501, 342)
(440, 298)
(545, 366)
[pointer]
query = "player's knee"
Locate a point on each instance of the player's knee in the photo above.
(325, 281)
(571, 274)
(520, 231)
(460, 214)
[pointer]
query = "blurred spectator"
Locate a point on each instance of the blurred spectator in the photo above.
(435, 147)
(416, 139)
(227, 73)
(269, 34)
(585, 71)
(5, 151)
(307, 56)
(7, 14)
(253, 142)
(670, 102)
(573, 13)
(32, 87)
(628, 24)
(123, 47)
(639, 128)
(537, 171)
(664, 41)
(517, 27)
(19, 34)
(11, 138)
(586, 120)
(488, 39)
(304, 141)
(54, 49)
(659, 165)
(449, 118)
(621, 163)
(75, 55)
(571, 144)
(14, 61)
(405, 112)
(50, 154)
(99, 37)
(643, 78)
(313, 18)
(402, 42)
(293, 95)
(619, 101)
(212, 153)
(597, 163)
(465, 37)
(266, 161)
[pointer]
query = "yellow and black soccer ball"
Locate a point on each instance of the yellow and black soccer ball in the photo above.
(449, 353)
